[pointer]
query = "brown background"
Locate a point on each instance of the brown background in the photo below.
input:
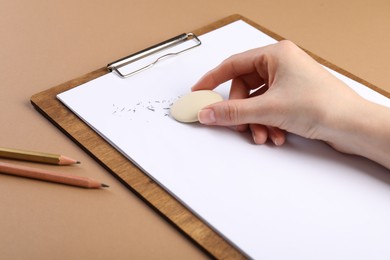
(45, 43)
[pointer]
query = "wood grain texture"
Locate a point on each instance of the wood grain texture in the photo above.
(132, 177)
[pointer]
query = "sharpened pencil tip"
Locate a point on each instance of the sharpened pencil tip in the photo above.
(105, 185)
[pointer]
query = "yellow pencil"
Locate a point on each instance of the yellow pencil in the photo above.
(39, 174)
(32, 156)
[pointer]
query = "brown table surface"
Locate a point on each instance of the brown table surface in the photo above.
(45, 43)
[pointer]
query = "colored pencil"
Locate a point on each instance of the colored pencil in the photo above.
(40, 174)
(33, 156)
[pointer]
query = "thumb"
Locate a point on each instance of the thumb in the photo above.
(229, 113)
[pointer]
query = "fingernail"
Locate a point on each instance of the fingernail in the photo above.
(233, 127)
(206, 116)
(254, 138)
(275, 141)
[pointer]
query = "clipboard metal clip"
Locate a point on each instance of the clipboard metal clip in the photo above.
(116, 65)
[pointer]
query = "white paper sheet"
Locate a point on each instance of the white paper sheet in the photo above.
(299, 201)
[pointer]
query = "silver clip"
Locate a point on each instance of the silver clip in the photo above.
(116, 65)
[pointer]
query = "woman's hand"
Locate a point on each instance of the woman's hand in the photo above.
(280, 88)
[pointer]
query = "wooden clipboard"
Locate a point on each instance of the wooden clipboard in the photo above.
(133, 178)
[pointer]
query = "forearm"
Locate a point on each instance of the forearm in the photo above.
(365, 131)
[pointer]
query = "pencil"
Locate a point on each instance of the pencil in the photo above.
(39, 174)
(32, 156)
